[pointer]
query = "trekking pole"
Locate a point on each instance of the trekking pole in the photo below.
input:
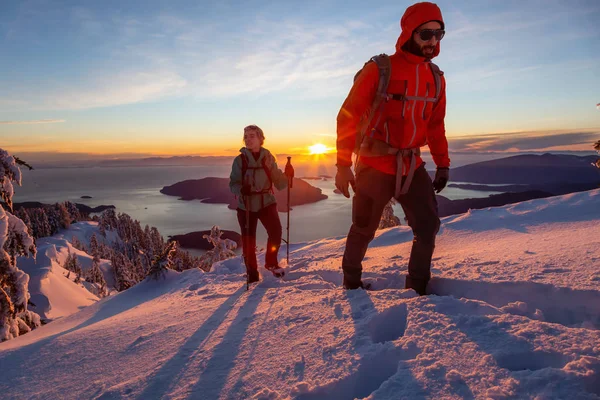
(289, 172)
(246, 242)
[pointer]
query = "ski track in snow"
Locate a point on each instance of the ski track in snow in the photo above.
(515, 313)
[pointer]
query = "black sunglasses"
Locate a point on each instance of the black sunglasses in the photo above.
(428, 34)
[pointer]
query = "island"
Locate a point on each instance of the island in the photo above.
(195, 240)
(86, 197)
(216, 191)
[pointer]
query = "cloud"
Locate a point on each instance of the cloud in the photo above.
(300, 58)
(104, 90)
(39, 121)
(523, 141)
(124, 87)
(165, 56)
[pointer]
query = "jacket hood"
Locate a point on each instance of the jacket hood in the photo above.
(415, 16)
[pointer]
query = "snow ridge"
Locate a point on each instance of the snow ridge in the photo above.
(514, 313)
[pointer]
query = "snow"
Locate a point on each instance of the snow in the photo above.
(514, 313)
(55, 295)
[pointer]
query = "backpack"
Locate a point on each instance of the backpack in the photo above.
(385, 71)
(246, 167)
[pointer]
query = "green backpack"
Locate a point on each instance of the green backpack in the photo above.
(246, 167)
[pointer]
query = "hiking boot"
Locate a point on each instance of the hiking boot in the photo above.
(276, 270)
(350, 285)
(418, 285)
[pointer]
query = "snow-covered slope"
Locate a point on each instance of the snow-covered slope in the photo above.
(515, 314)
(53, 292)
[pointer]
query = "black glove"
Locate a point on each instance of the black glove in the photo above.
(246, 190)
(343, 177)
(441, 179)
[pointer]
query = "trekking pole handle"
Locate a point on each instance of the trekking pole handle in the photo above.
(289, 172)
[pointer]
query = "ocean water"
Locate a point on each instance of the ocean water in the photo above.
(136, 191)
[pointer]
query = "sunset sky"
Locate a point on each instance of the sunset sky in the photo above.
(185, 77)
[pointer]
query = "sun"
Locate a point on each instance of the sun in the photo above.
(318, 149)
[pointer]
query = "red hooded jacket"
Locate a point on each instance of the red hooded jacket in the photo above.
(409, 123)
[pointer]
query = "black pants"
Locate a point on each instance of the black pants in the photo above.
(374, 189)
(269, 217)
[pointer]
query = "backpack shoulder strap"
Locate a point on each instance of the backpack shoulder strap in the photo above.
(385, 71)
(244, 165)
(384, 65)
(437, 77)
(267, 172)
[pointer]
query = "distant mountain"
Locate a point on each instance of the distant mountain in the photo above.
(81, 207)
(169, 161)
(448, 207)
(530, 169)
(555, 189)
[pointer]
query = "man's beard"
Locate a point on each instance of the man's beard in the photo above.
(412, 47)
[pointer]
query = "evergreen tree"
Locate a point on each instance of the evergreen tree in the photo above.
(76, 243)
(44, 224)
(108, 219)
(15, 318)
(96, 277)
(94, 245)
(23, 215)
(102, 229)
(388, 219)
(163, 261)
(35, 223)
(72, 264)
(597, 148)
(67, 264)
(73, 211)
(122, 270)
(53, 220)
(63, 215)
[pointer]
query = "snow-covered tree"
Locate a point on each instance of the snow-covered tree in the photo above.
(222, 249)
(73, 211)
(15, 240)
(53, 219)
(597, 148)
(72, 264)
(108, 219)
(122, 268)
(75, 242)
(96, 277)
(63, 215)
(41, 224)
(102, 229)
(23, 215)
(388, 219)
(94, 245)
(163, 261)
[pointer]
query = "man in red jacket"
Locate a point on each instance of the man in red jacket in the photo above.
(407, 116)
